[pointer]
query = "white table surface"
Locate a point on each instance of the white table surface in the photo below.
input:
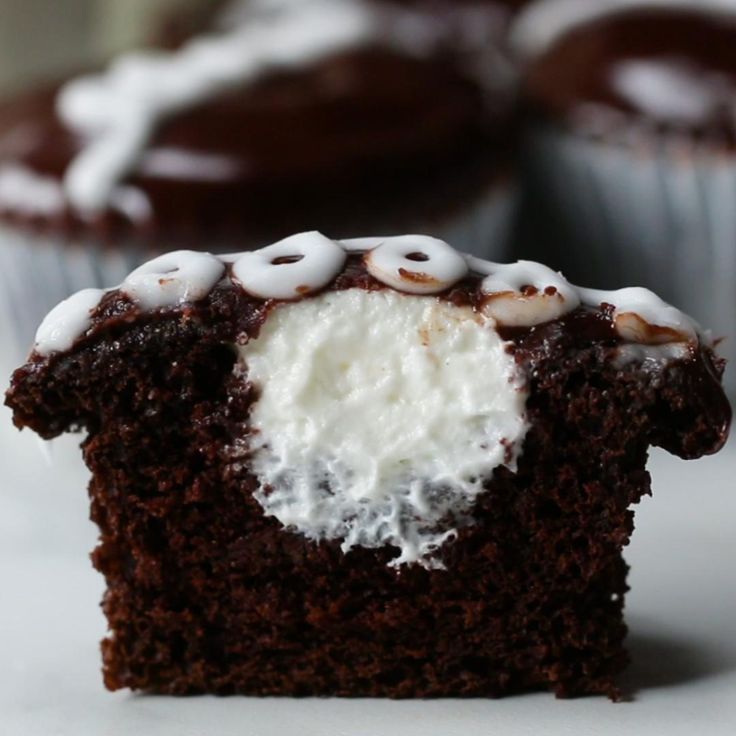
(681, 612)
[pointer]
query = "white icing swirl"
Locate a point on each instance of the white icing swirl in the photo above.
(26, 192)
(119, 110)
(174, 278)
(416, 264)
(292, 268)
(522, 294)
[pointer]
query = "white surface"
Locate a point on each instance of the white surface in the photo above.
(681, 611)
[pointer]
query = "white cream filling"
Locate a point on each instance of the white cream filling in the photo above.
(379, 417)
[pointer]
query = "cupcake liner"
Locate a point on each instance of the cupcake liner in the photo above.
(486, 227)
(661, 214)
(36, 273)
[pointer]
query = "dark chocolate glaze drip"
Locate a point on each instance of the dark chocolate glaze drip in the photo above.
(669, 69)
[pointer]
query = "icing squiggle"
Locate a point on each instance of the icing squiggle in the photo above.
(522, 294)
(416, 264)
(22, 190)
(543, 21)
(119, 110)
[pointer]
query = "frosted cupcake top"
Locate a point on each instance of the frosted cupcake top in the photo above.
(209, 129)
(516, 295)
(667, 66)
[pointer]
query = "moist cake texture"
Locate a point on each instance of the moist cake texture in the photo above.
(367, 468)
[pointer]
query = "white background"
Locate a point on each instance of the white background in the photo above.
(681, 611)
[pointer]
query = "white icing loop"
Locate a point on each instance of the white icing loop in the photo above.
(172, 279)
(379, 415)
(522, 294)
(120, 109)
(67, 321)
(525, 294)
(541, 23)
(642, 317)
(416, 264)
(292, 268)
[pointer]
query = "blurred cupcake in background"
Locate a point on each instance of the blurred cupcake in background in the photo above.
(285, 115)
(631, 147)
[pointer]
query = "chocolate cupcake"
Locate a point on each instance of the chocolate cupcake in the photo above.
(344, 116)
(631, 145)
(367, 468)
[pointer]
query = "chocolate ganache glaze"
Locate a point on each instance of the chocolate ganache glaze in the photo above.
(540, 313)
(669, 69)
(323, 136)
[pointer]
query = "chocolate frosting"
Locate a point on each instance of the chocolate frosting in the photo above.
(367, 135)
(668, 69)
